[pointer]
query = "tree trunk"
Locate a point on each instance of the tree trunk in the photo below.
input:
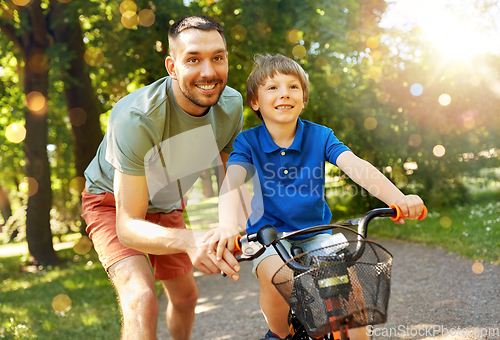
(82, 105)
(38, 233)
(5, 208)
(34, 41)
(81, 102)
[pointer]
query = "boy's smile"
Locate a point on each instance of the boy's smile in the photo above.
(280, 99)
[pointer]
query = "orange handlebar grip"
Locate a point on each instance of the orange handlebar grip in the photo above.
(399, 214)
(424, 214)
(237, 243)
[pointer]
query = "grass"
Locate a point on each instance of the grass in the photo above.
(27, 295)
(472, 231)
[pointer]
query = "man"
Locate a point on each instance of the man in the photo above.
(159, 139)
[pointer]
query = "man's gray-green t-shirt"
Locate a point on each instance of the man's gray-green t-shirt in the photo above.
(150, 134)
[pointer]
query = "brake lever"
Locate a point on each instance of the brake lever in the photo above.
(249, 250)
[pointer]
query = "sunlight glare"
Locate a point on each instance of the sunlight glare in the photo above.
(370, 123)
(444, 99)
(21, 2)
(299, 52)
(415, 140)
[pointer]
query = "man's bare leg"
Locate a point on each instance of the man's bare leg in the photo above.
(182, 294)
(134, 284)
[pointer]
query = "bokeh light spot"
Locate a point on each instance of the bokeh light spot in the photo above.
(129, 20)
(415, 140)
(146, 17)
(352, 37)
(38, 63)
(128, 5)
(444, 99)
(299, 51)
(61, 303)
(376, 55)
(159, 46)
(32, 186)
(77, 116)
(477, 268)
(439, 151)
(83, 246)
(21, 2)
(333, 80)
(399, 178)
(77, 185)
(445, 222)
(383, 97)
(372, 42)
(294, 36)
(35, 101)
(370, 123)
(93, 56)
(64, 1)
(239, 32)
(348, 124)
(15, 133)
(416, 89)
(469, 122)
(320, 62)
(375, 72)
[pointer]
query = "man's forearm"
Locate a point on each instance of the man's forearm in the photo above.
(154, 239)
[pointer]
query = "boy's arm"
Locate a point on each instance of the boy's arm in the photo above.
(232, 203)
(370, 178)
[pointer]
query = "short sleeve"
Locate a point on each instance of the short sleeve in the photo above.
(334, 147)
(242, 153)
(129, 138)
(229, 146)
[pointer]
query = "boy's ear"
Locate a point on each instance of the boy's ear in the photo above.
(254, 105)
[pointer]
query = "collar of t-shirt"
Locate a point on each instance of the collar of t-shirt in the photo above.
(269, 146)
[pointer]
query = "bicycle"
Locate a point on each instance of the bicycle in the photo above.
(333, 288)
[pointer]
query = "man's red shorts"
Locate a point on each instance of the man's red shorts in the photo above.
(99, 211)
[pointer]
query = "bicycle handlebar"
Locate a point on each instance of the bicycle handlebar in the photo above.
(267, 236)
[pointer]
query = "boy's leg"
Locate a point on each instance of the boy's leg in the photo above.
(135, 287)
(182, 294)
(273, 305)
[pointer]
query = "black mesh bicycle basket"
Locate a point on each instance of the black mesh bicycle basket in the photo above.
(350, 286)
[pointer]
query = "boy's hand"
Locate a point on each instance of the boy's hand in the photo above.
(411, 206)
(219, 239)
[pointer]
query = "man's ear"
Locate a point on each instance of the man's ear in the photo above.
(170, 66)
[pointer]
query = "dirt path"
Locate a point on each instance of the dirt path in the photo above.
(434, 295)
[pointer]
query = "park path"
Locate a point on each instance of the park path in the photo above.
(434, 295)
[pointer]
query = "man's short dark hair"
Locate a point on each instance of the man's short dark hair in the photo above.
(200, 22)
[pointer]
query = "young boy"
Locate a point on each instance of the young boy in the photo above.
(287, 156)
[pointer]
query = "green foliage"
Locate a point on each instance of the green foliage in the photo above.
(471, 227)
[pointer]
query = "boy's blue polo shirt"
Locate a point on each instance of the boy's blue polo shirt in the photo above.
(292, 180)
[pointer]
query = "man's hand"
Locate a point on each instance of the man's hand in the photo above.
(411, 206)
(207, 262)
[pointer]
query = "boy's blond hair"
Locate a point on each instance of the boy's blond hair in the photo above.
(268, 66)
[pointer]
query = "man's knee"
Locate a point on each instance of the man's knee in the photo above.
(186, 300)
